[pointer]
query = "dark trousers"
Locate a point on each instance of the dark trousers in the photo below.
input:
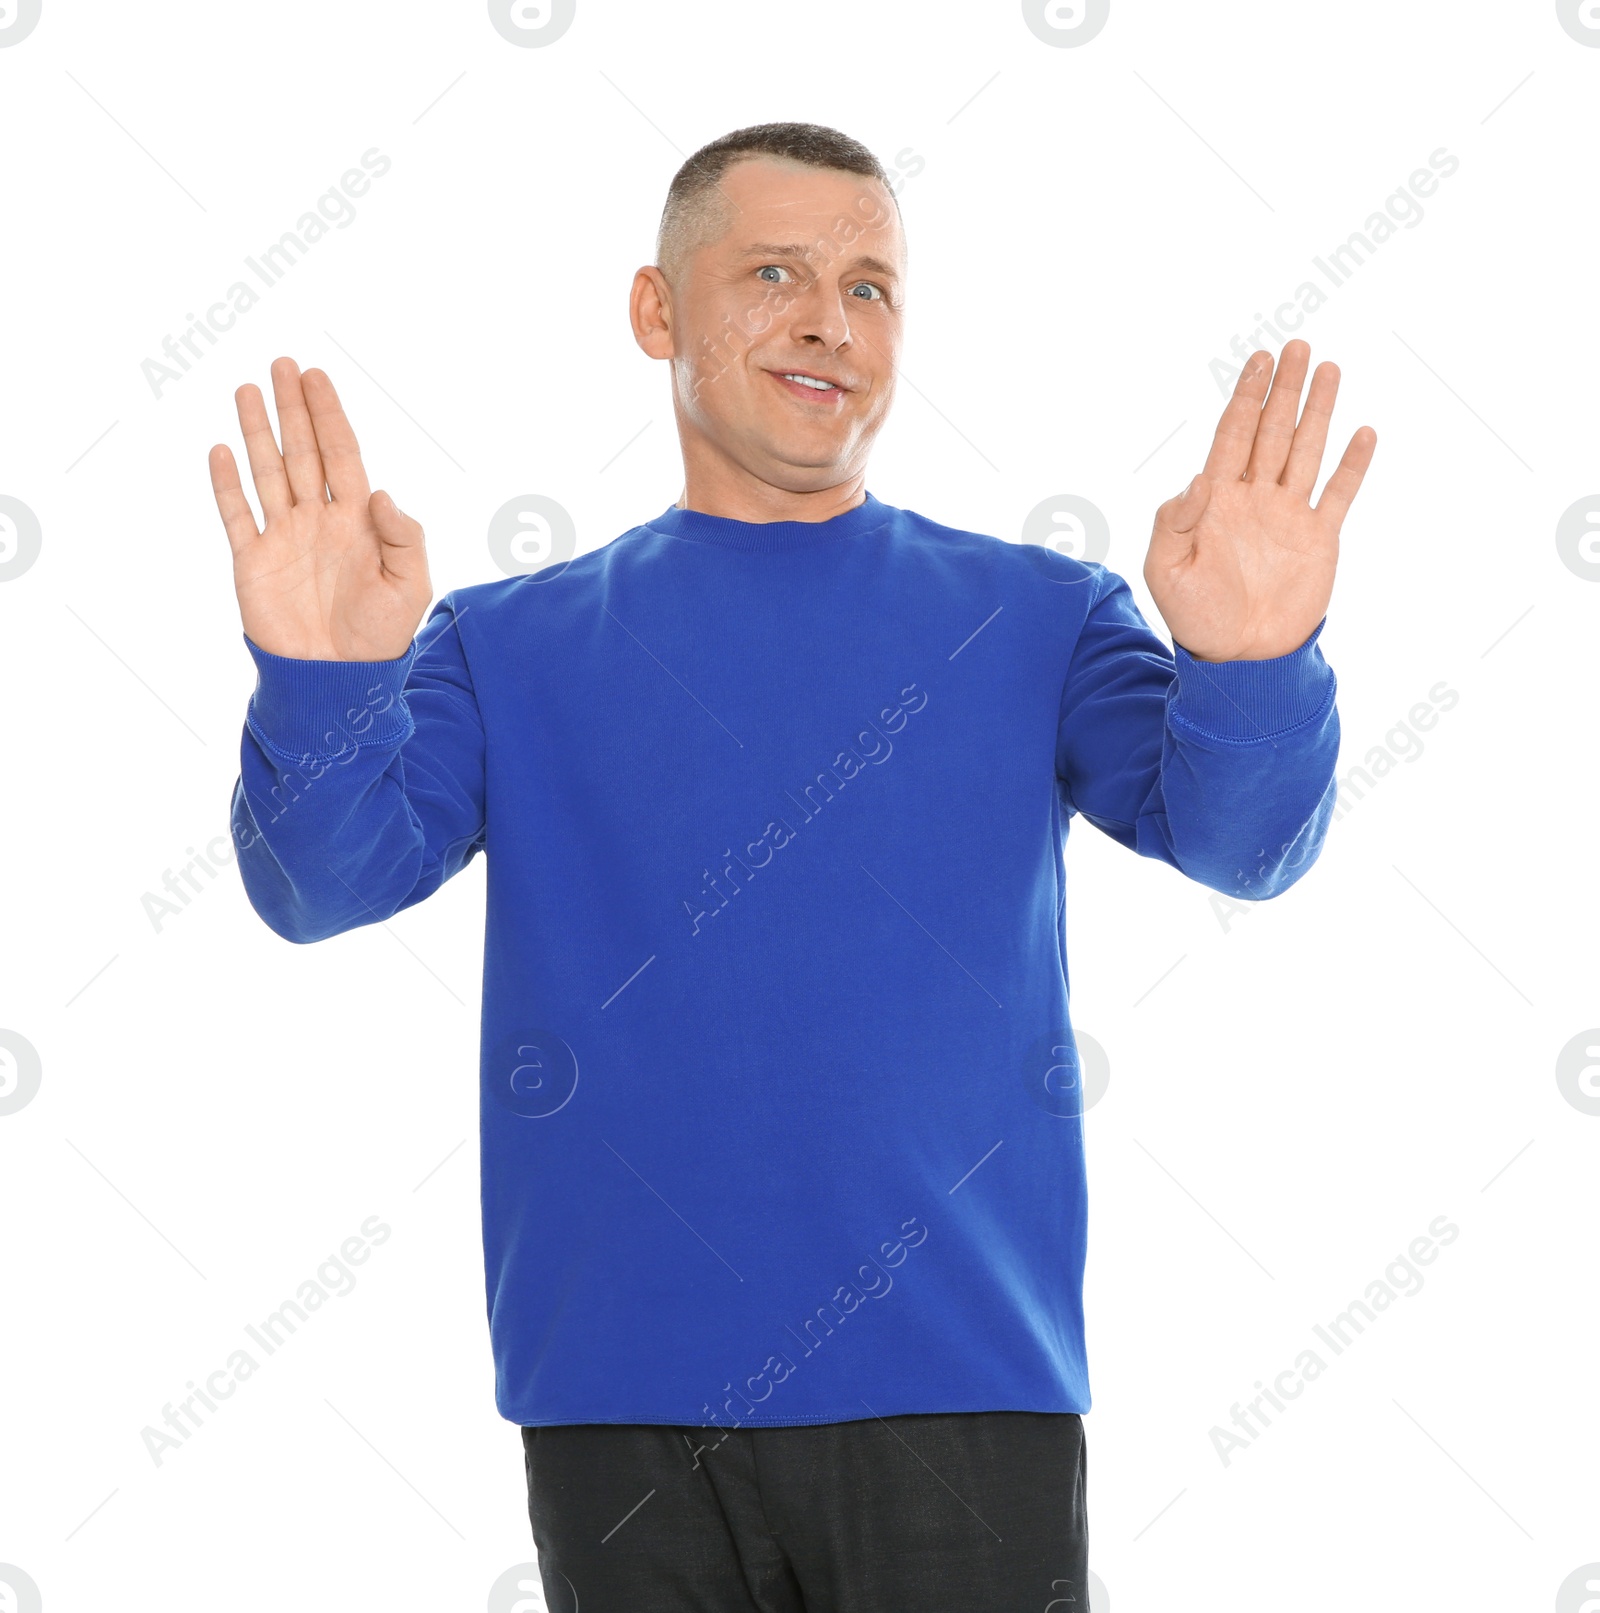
(981, 1512)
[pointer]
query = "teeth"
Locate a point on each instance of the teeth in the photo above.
(806, 380)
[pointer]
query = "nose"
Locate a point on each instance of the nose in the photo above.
(818, 316)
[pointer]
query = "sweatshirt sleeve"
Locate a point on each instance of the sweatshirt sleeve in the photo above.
(1224, 769)
(361, 783)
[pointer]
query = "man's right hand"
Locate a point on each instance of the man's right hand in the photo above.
(340, 573)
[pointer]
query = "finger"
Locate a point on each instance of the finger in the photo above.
(1173, 537)
(301, 461)
(401, 537)
(336, 439)
(261, 448)
(1275, 431)
(1305, 456)
(1236, 430)
(238, 519)
(1345, 482)
(1182, 513)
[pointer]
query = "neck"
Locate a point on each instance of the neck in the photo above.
(737, 495)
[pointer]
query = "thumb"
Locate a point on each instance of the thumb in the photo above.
(1178, 517)
(1182, 514)
(400, 535)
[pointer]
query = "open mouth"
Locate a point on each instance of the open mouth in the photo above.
(810, 388)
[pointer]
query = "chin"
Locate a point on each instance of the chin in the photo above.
(807, 452)
(801, 475)
(815, 470)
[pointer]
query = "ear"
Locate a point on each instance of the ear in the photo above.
(650, 312)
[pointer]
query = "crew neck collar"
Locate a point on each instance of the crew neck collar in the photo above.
(769, 537)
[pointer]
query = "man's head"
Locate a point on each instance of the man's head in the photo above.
(780, 251)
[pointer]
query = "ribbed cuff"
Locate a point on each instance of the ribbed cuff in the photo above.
(1245, 700)
(318, 710)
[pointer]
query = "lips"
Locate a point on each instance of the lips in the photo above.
(811, 394)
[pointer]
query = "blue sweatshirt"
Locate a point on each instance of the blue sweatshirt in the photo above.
(779, 1104)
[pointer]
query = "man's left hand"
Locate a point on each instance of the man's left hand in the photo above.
(1241, 562)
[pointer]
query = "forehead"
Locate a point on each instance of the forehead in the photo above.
(769, 201)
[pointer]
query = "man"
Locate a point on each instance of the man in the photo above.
(783, 1179)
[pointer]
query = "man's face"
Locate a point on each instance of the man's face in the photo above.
(806, 278)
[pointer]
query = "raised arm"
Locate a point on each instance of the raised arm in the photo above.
(361, 771)
(1217, 756)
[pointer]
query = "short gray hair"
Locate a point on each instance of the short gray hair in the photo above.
(690, 205)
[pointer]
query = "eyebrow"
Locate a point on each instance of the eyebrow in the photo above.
(795, 250)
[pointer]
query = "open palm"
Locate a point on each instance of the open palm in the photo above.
(1241, 563)
(337, 572)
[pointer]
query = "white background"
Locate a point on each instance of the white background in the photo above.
(1295, 1093)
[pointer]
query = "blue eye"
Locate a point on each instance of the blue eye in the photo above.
(775, 268)
(867, 285)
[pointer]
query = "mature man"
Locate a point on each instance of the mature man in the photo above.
(782, 1152)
